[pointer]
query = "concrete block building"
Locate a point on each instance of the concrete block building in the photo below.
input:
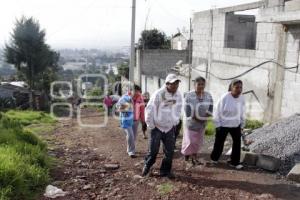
(153, 65)
(231, 41)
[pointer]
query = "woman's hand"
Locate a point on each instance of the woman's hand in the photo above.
(208, 114)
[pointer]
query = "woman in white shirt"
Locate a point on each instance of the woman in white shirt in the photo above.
(229, 118)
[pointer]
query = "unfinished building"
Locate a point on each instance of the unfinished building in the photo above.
(259, 41)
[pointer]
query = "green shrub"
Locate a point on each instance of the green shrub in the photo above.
(250, 124)
(24, 163)
(95, 92)
(7, 103)
(253, 124)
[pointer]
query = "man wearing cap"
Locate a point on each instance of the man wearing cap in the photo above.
(162, 116)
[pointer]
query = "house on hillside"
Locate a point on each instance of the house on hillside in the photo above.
(18, 96)
(179, 42)
(14, 95)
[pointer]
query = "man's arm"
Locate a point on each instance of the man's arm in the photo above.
(243, 113)
(151, 110)
(187, 107)
(178, 108)
(211, 106)
(217, 114)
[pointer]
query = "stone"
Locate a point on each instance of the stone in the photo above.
(137, 177)
(111, 166)
(87, 187)
(151, 184)
(294, 174)
(139, 164)
(249, 158)
(265, 196)
(269, 163)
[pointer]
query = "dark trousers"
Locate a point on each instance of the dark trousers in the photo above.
(177, 129)
(221, 134)
(109, 110)
(168, 140)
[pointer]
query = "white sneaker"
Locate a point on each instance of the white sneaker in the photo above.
(213, 162)
(238, 167)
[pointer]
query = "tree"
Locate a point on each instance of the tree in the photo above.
(123, 69)
(154, 39)
(29, 53)
(111, 76)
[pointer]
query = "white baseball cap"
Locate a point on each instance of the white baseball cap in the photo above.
(172, 78)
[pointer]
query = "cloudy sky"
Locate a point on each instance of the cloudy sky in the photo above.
(101, 23)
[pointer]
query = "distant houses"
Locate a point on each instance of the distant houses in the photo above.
(16, 95)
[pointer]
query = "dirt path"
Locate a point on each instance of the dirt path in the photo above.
(83, 152)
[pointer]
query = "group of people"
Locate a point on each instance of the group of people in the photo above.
(162, 117)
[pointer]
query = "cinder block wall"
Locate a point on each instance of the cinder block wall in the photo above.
(158, 62)
(153, 66)
(268, 82)
(291, 83)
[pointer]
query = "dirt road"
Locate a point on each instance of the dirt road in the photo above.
(83, 153)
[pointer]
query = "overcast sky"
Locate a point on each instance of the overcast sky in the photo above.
(101, 23)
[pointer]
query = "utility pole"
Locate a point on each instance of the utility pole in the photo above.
(132, 47)
(190, 53)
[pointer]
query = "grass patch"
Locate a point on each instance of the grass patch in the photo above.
(30, 117)
(24, 163)
(39, 129)
(165, 188)
(253, 124)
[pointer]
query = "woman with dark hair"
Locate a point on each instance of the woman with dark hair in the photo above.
(230, 118)
(139, 109)
(198, 107)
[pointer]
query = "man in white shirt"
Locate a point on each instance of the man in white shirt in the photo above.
(162, 116)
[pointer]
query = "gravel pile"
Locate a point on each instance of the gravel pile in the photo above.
(281, 140)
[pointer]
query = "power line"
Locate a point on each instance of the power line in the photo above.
(251, 69)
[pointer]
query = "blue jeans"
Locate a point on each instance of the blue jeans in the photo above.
(130, 137)
(168, 140)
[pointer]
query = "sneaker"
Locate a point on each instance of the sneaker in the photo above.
(194, 162)
(238, 167)
(146, 171)
(133, 156)
(213, 162)
(186, 158)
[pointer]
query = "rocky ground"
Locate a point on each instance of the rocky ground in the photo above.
(92, 164)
